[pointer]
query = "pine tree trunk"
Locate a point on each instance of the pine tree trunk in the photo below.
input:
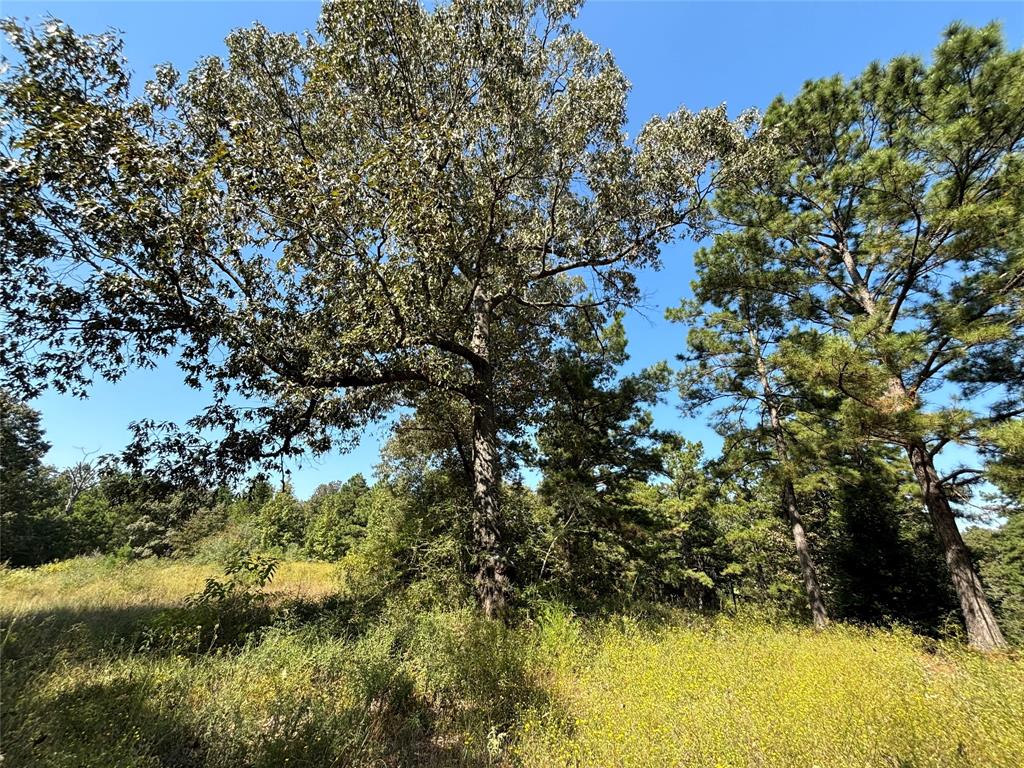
(492, 583)
(812, 587)
(983, 632)
(803, 553)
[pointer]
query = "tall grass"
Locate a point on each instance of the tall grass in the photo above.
(743, 693)
(107, 582)
(84, 684)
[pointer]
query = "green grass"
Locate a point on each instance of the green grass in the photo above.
(101, 668)
(733, 693)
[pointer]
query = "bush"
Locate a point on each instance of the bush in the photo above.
(280, 524)
(191, 536)
(415, 543)
(225, 612)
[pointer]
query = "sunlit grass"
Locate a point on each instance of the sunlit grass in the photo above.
(85, 685)
(102, 582)
(733, 693)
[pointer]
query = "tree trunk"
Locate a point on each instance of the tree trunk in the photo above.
(492, 584)
(803, 553)
(983, 632)
(803, 547)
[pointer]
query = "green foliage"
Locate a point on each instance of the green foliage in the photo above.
(94, 524)
(881, 561)
(281, 523)
(999, 553)
(877, 264)
(354, 231)
(894, 214)
(27, 489)
(227, 611)
(713, 561)
(1005, 442)
(597, 445)
(207, 522)
(246, 574)
(336, 518)
(417, 539)
(396, 208)
(738, 369)
(756, 564)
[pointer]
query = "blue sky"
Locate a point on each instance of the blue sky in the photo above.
(674, 53)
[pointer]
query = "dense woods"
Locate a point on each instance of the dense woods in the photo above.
(437, 217)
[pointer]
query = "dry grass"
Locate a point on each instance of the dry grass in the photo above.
(744, 693)
(99, 582)
(86, 684)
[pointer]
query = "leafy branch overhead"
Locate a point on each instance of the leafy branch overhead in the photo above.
(305, 224)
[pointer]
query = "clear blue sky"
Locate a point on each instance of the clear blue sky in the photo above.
(694, 54)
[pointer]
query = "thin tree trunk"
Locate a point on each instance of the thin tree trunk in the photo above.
(492, 583)
(803, 553)
(983, 632)
(819, 616)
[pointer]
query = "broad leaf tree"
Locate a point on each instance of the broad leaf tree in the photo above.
(318, 228)
(898, 198)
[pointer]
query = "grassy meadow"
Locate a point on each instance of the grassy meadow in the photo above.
(105, 664)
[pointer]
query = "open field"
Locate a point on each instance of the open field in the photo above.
(105, 583)
(102, 667)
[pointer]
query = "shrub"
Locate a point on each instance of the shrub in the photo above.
(281, 522)
(225, 612)
(415, 543)
(190, 536)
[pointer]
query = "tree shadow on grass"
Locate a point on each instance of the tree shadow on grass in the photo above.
(100, 723)
(120, 722)
(86, 687)
(81, 631)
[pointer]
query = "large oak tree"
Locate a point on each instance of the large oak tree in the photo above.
(321, 227)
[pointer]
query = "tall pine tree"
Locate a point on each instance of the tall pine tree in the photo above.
(897, 200)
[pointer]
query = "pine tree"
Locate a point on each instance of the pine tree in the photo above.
(737, 324)
(596, 443)
(896, 203)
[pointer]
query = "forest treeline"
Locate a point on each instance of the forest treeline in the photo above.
(666, 525)
(440, 211)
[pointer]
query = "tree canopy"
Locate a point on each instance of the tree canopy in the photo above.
(435, 216)
(320, 228)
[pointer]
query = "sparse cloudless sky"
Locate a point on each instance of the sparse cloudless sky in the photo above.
(695, 54)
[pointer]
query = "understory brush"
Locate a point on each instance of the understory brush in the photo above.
(100, 669)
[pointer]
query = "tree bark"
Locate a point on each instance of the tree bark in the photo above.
(819, 616)
(983, 632)
(803, 552)
(491, 579)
